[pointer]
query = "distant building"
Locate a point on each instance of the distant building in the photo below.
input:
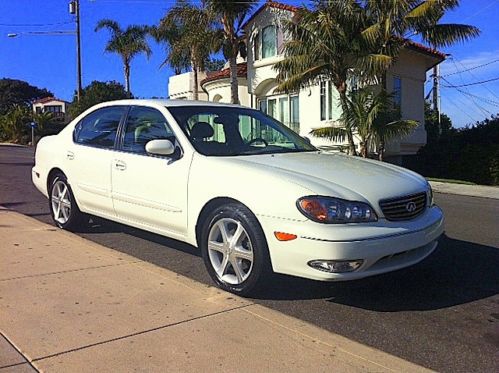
(315, 106)
(55, 106)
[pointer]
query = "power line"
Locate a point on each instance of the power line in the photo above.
(472, 68)
(482, 110)
(475, 77)
(34, 24)
(486, 100)
(461, 109)
(470, 84)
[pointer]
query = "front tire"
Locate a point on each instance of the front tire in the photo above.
(63, 208)
(234, 249)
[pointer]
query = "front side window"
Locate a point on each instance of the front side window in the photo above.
(99, 128)
(225, 131)
(269, 42)
(143, 125)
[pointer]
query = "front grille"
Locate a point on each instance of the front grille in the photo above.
(403, 208)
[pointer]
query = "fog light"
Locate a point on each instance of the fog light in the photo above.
(336, 266)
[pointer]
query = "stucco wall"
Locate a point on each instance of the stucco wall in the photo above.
(182, 86)
(219, 91)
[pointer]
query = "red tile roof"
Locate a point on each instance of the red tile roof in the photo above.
(410, 44)
(242, 70)
(424, 49)
(271, 4)
(47, 99)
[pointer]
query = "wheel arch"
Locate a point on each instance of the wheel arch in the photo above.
(210, 206)
(50, 176)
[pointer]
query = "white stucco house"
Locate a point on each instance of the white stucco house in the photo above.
(318, 105)
(55, 106)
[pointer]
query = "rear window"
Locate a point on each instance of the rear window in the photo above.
(99, 128)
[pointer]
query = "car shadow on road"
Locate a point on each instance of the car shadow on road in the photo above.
(458, 272)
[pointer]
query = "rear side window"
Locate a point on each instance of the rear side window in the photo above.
(143, 125)
(100, 127)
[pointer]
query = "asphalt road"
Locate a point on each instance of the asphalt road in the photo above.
(442, 313)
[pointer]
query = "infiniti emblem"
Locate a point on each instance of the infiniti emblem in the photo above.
(410, 207)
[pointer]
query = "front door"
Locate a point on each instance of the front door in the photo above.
(150, 190)
(88, 159)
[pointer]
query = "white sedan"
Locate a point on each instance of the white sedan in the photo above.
(251, 194)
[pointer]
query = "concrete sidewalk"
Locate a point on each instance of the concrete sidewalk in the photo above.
(483, 191)
(68, 304)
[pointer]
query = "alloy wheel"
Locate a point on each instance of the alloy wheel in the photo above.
(230, 251)
(61, 202)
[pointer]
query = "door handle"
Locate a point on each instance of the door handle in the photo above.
(120, 165)
(70, 155)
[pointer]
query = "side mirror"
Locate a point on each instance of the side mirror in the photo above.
(160, 147)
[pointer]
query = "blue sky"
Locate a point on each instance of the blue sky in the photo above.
(49, 61)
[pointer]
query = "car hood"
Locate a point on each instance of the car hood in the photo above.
(340, 175)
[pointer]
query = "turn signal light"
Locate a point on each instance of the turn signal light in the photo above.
(281, 236)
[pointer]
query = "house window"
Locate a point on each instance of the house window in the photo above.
(256, 46)
(272, 108)
(323, 100)
(52, 109)
(280, 40)
(295, 114)
(329, 100)
(397, 91)
(284, 108)
(269, 41)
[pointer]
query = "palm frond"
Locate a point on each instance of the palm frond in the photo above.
(331, 133)
(443, 35)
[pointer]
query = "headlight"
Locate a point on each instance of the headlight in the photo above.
(431, 202)
(331, 210)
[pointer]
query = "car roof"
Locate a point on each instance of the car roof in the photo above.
(170, 103)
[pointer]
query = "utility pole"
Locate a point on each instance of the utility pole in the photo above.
(436, 93)
(74, 8)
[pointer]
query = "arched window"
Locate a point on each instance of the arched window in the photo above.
(269, 41)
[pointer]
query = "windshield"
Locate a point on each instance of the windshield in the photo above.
(223, 131)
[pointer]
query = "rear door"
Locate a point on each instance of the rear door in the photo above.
(89, 157)
(147, 189)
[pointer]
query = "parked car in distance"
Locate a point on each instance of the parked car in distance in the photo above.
(251, 194)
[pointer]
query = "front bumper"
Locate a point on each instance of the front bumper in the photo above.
(383, 246)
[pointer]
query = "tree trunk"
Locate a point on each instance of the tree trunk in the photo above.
(381, 150)
(234, 89)
(342, 90)
(233, 48)
(127, 77)
(363, 149)
(195, 88)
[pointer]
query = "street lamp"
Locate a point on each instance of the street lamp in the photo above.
(74, 8)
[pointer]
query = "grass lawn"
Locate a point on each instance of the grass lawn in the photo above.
(452, 181)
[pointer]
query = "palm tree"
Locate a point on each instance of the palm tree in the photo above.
(127, 43)
(191, 34)
(339, 39)
(393, 22)
(177, 58)
(231, 15)
(374, 119)
(327, 43)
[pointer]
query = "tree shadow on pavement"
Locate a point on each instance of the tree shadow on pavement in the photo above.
(458, 272)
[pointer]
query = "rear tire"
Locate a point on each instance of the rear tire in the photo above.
(234, 249)
(63, 207)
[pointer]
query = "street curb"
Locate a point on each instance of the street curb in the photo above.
(482, 191)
